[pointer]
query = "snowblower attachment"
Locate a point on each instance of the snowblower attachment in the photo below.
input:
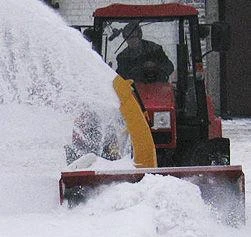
(222, 187)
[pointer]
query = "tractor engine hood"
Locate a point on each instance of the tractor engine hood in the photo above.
(156, 96)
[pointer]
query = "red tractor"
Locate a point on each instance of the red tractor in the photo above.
(166, 108)
(182, 119)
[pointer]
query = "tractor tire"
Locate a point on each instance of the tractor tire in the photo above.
(165, 158)
(208, 152)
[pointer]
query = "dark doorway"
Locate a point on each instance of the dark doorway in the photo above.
(236, 63)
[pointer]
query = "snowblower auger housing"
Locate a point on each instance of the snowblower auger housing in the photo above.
(167, 110)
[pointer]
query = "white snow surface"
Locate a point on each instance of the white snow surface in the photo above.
(37, 49)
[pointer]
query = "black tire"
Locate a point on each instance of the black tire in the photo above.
(208, 152)
(165, 158)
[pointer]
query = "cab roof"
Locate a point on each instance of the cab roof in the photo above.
(159, 10)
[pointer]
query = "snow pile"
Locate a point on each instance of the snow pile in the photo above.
(156, 205)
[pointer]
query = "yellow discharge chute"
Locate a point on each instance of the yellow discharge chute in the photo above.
(142, 141)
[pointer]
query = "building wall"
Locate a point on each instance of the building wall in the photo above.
(79, 12)
(235, 63)
(213, 59)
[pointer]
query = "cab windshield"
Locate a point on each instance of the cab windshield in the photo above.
(161, 59)
(162, 34)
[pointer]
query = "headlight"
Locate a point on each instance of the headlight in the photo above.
(161, 120)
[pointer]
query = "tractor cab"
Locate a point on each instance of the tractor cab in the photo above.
(179, 111)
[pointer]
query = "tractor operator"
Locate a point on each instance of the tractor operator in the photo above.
(142, 60)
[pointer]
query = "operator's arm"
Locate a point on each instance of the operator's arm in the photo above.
(122, 68)
(165, 64)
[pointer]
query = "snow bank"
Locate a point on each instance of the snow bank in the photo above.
(163, 204)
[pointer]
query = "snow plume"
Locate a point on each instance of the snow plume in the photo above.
(43, 62)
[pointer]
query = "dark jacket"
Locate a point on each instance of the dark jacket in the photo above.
(131, 62)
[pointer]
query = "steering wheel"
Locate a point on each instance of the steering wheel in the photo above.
(144, 73)
(136, 73)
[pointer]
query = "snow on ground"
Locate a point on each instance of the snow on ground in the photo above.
(32, 158)
(46, 73)
(239, 132)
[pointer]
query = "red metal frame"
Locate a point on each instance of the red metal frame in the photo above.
(215, 126)
(95, 178)
(160, 10)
